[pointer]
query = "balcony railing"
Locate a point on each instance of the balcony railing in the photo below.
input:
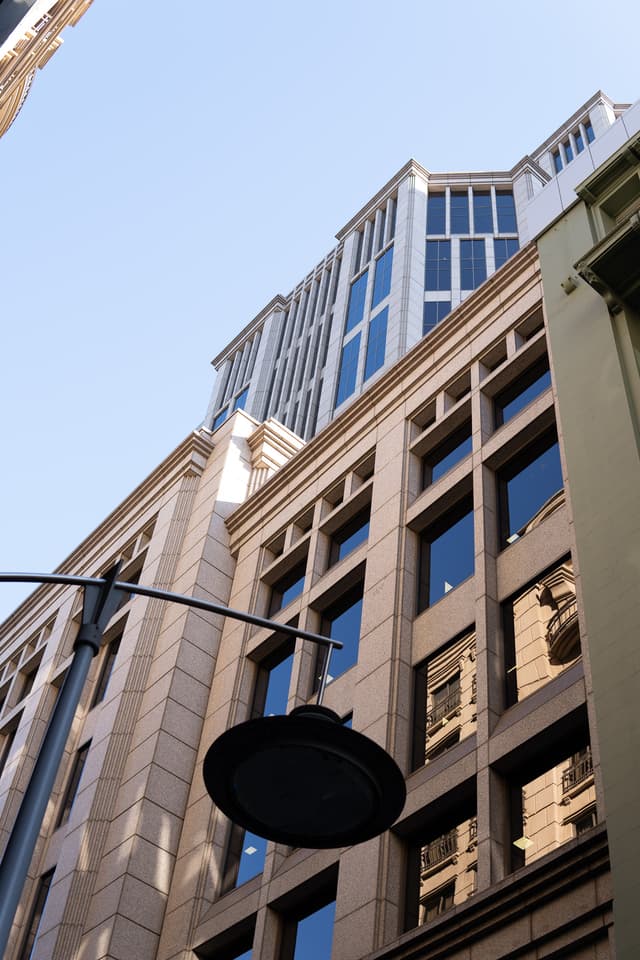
(581, 768)
(444, 708)
(562, 632)
(438, 850)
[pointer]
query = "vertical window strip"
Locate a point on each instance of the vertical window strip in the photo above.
(336, 272)
(326, 279)
(473, 264)
(459, 211)
(222, 389)
(73, 783)
(348, 370)
(507, 222)
(357, 296)
(35, 916)
(382, 217)
(325, 344)
(393, 210)
(382, 277)
(370, 231)
(254, 354)
(357, 253)
(436, 213)
(482, 213)
(438, 265)
(293, 313)
(376, 343)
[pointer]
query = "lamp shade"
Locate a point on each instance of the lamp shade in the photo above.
(304, 779)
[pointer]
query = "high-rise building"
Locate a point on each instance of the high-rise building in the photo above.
(466, 525)
(412, 254)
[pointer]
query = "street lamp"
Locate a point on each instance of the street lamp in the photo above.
(303, 779)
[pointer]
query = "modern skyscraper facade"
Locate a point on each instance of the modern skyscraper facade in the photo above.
(402, 263)
(445, 524)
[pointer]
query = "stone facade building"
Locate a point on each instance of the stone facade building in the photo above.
(432, 527)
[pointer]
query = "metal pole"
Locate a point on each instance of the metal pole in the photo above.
(100, 603)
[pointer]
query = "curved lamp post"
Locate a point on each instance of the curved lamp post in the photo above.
(303, 779)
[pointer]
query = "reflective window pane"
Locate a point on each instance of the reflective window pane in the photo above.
(436, 213)
(557, 161)
(446, 557)
(446, 455)
(433, 312)
(506, 209)
(241, 399)
(314, 934)
(350, 536)
(541, 632)
(473, 264)
(376, 343)
(342, 622)
(348, 369)
(568, 151)
(288, 587)
(447, 870)
(482, 212)
(219, 419)
(254, 849)
(503, 248)
(556, 807)
(588, 129)
(527, 485)
(382, 277)
(438, 265)
(579, 141)
(518, 395)
(459, 212)
(357, 296)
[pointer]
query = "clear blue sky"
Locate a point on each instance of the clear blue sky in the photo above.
(169, 174)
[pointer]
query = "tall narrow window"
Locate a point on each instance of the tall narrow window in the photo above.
(376, 343)
(446, 455)
(527, 483)
(37, 909)
(241, 399)
(568, 151)
(557, 161)
(433, 312)
(436, 213)
(588, 129)
(482, 212)
(310, 936)
(577, 136)
(446, 554)
(507, 222)
(348, 369)
(382, 278)
(341, 622)
(6, 742)
(459, 212)
(73, 783)
(355, 313)
(438, 265)
(350, 536)
(106, 669)
(473, 264)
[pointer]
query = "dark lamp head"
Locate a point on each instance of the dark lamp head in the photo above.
(304, 780)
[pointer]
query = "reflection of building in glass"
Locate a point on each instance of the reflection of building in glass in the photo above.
(448, 867)
(541, 631)
(432, 526)
(558, 806)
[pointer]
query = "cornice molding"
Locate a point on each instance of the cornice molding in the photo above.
(276, 303)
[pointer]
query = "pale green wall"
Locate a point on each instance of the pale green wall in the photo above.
(598, 421)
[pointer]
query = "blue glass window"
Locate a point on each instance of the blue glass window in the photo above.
(433, 312)
(446, 455)
(342, 622)
(437, 271)
(241, 399)
(460, 212)
(348, 369)
(288, 587)
(377, 343)
(527, 484)
(482, 212)
(254, 849)
(577, 136)
(219, 419)
(503, 248)
(436, 213)
(526, 388)
(357, 296)
(507, 222)
(350, 536)
(446, 554)
(382, 278)
(473, 264)
(588, 129)
(557, 160)
(314, 934)
(568, 152)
